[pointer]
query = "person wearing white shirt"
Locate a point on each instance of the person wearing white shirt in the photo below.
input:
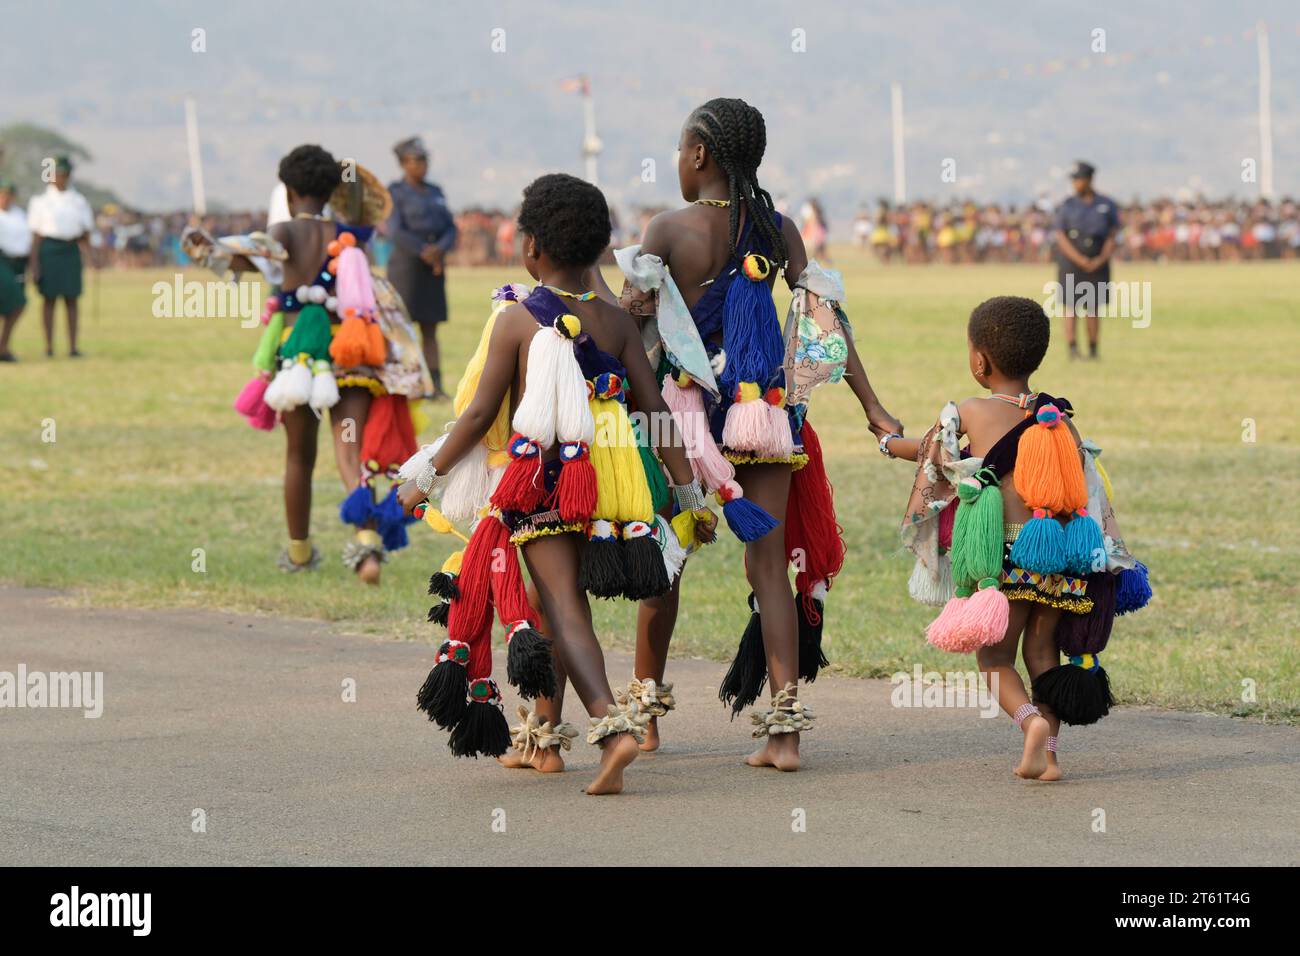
(15, 246)
(60, 220)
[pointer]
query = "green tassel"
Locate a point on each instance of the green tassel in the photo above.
(264, 357)
(977, 530)
(311, 333)
(654, 475)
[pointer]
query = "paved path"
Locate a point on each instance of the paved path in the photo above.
(244, 718)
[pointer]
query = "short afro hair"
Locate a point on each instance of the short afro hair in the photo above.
(310, 171)
(1013, 331)
(568, 217)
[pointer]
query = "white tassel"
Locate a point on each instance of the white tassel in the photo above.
(324, 387)
(573, 418)
(297, 386)
(535, 416)
(468, 487)
(274, 394)
(929, 589)
(674, 553)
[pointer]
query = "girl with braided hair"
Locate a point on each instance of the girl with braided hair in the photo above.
(701, 285)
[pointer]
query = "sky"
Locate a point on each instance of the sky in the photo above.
(1002, 96)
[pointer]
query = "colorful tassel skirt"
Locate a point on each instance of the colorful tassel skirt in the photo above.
(1064, 591)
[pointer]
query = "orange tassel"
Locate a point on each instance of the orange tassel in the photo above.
(1048, 471)
(377, 349)
(348, 349)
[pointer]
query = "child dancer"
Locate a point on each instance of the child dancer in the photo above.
(1015, 536)
(335, 337)
(701, 285)
(573, 494)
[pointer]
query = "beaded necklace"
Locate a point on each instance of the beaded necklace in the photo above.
(576, 296)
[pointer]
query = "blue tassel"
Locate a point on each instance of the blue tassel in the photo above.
(1133, 589)
(391, 522)
(747, 521)
(751, 334)
(1085, 548)
(1040, 547)
(357, 506)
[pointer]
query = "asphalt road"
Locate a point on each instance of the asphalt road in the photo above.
(243, 719)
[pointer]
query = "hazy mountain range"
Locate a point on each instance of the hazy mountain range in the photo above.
(1011, 92)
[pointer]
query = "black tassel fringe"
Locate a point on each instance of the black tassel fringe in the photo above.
(643, 569)
(601, 571)
(748, 672)
(442, 696)
(529, 665)
(1078, 697)
(439, 613)
(811, 657)
(482, 730)
(444, 586)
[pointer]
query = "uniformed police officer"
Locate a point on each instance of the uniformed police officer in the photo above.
(1085, 224)
(423, 232)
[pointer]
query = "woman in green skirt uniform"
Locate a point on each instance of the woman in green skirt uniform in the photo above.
(60, 220)
(15, 246)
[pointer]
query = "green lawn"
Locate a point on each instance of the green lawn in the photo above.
(150, 463)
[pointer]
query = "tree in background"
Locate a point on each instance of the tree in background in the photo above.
(23, 149)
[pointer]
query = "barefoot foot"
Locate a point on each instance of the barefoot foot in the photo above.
(1033, 762)
(368, 570)
(1053, 771)
(543, 760)
(618, 751)
(780, 751)
(651, 743)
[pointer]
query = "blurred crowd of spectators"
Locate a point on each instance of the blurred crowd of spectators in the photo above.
(920, 232)
(1162, 229)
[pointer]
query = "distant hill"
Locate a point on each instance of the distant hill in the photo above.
(24, 148)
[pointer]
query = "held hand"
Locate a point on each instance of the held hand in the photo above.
(706, 526)
(882, 423)
(408, 495)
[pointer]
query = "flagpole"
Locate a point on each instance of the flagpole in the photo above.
(196, 162)
(900, 173)
(1265, 113)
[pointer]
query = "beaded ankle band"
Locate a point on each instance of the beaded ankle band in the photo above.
(1024, 712)
(625, 719)
(650, 698)
(1051, 745)
(534, 734)
(788, 715)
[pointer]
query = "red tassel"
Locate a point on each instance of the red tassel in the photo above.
(521, 487)
(810, 525)
(576, 489)
(509, 593)
(389, 436)
(470, 618)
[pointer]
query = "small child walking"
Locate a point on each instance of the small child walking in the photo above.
(1015, 536)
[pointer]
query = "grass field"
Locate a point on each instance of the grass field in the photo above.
(149, 462)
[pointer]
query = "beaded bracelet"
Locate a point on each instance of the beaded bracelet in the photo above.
(884, 444)
(689, 497)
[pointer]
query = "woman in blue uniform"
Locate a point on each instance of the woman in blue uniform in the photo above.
(423, 232)
(1086, 225)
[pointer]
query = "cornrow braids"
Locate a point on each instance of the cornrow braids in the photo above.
(736, 137)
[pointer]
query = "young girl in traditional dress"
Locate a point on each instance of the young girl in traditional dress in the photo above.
(701, 285)
(1014, 534)
(572, 494)
(335, 338)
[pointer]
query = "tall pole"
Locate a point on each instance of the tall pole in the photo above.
(591, 144)
(1265, 113)
(900, 174)
(196, 162)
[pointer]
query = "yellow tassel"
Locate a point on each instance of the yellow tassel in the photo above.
(498, 433)
(436, 520)
(622, 493)
(684, 527)
(419, 415)
(1105, 480)
(453, 562)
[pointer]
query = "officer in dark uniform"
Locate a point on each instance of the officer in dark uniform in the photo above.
(423, 232)
(1086, 225)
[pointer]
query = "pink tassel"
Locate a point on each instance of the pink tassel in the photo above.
(250, 396)
(352, 286)
(943, 631)
(984, 619)
(687, 406)
(263, 417)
